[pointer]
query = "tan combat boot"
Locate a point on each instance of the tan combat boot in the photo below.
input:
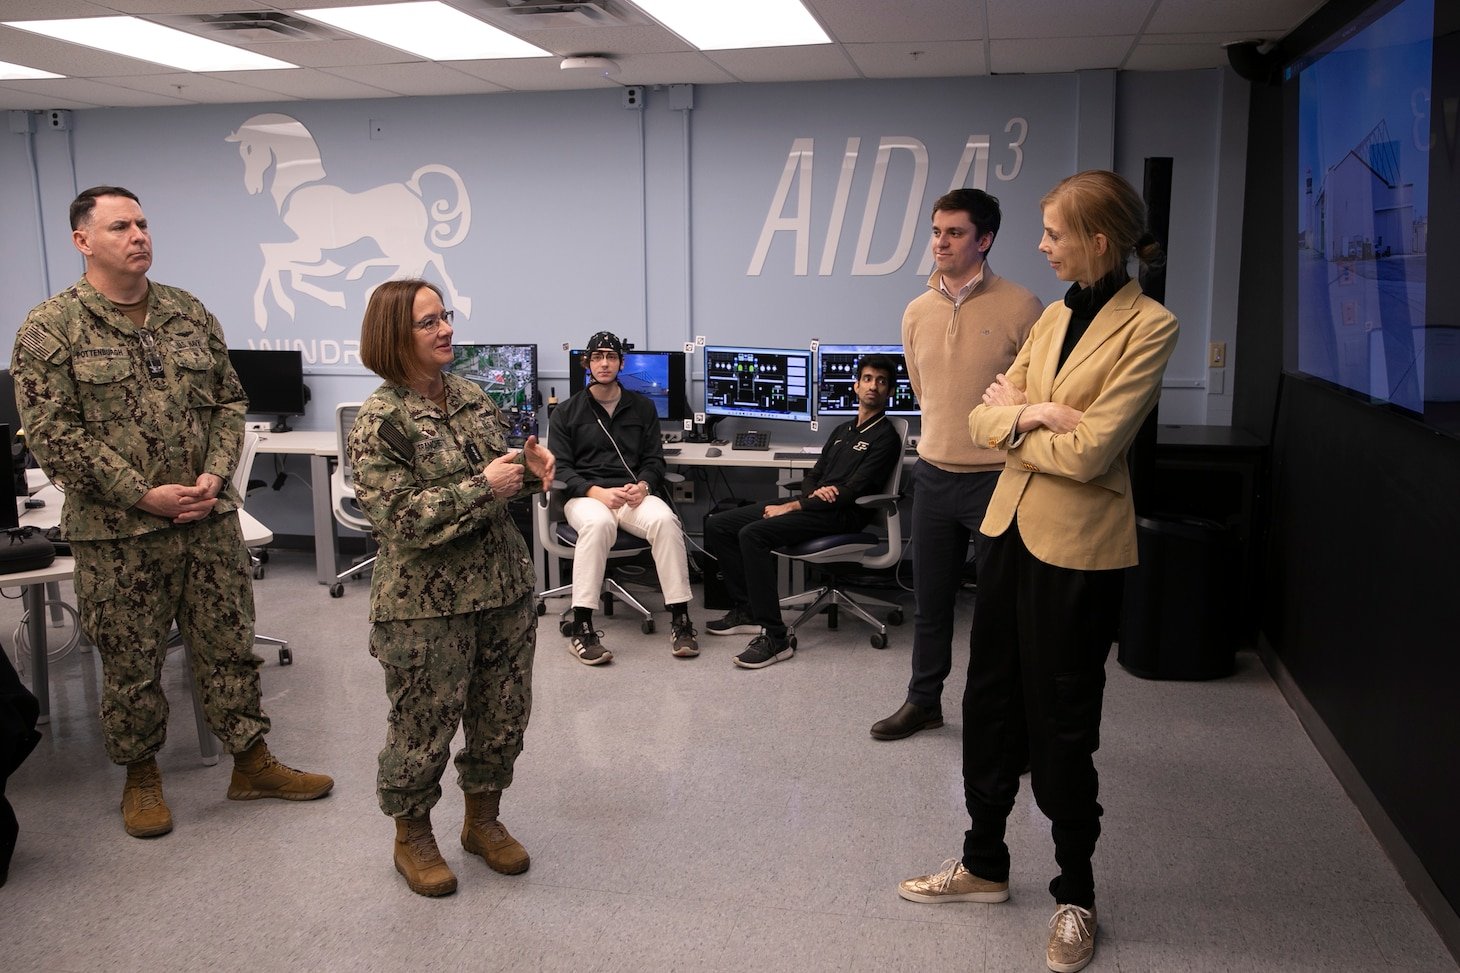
(482, 834)
(419, 860)
(256, 774)
(144, 812)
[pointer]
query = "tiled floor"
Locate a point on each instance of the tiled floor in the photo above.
(688, 815)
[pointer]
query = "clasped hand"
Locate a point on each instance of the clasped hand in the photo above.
(183, 504)
(507, 472)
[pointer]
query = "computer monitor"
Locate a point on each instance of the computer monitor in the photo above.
(9, 511)
(836, 374)
(758, 383)
(273, 380)
(508, 374)
(660, 375)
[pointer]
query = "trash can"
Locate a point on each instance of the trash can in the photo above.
(1179, 616)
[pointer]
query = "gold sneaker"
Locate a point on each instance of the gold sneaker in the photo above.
(1071, 939)
(952, 883)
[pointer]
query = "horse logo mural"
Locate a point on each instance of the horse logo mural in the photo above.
(326, 218)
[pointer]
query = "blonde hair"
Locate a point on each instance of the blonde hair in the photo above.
(387, 332)
(1097, 201)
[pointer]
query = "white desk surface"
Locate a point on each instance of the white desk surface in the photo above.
(307, 442)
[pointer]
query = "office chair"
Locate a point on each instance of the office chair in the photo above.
(866, 551)
(240, 483)
(558, 539)
(342, 495)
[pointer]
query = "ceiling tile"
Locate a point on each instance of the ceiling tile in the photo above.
(1056, 54)
(870, 21)
(909, 59)
(1090, 18)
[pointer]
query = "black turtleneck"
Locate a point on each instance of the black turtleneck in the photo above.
(1084, 303)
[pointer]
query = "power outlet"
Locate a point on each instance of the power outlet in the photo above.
(1217, 354)
(684, 491)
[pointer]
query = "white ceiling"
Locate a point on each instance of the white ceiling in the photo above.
(870, 39)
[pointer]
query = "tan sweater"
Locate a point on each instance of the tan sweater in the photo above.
(953, 354)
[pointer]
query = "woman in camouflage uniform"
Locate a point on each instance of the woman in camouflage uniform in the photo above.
(453, 621)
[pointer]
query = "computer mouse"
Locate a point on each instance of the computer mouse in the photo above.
(712, 452)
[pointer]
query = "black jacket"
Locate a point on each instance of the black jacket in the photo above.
(855, 461)
(582, 437)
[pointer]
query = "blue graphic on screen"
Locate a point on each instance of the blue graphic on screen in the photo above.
(836, 379)
(1363, 207)
(657, 375)
(758, 383)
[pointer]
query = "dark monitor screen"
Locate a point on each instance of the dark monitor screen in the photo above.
(508, 374)
(9, 512)
(659, 375)
(836, 378)
(273, 380)
(9, 411)
(758, 383)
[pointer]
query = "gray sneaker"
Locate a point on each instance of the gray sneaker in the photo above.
(685, 645)
(736, 622)
(952, 883)
(1071, 939)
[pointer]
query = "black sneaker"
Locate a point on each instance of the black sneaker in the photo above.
(686, 646)
(763, 651)
(585, 645)
(736, 622)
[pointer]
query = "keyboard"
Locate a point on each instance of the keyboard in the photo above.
(671, 450)
(751, 439)
(795, 455)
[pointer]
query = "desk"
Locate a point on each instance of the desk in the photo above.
(255, 534)
(321, 447)
(693, 454)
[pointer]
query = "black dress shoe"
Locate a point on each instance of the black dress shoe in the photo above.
(906, 721)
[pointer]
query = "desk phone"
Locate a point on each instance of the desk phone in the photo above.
(751, 439)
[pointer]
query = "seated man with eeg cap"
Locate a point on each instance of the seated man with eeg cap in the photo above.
(610, 456)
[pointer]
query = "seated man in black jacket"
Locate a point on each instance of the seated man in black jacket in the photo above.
(856, 461)
(610, 455)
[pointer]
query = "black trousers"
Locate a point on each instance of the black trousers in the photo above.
(946, 513)
(742, 540)
(1036, 680)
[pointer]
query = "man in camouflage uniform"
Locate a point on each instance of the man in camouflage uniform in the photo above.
(130, 405)
(453, 620)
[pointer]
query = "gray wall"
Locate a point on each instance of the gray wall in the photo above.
(587, 215)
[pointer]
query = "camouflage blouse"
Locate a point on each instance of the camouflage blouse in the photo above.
(112, 410)
(447, 544)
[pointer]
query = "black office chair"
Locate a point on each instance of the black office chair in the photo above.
(877, 547)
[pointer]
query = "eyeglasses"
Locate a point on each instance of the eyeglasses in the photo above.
(432, 324)
(603, 355)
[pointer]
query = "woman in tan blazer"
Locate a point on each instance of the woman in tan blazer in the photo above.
(1062, 529)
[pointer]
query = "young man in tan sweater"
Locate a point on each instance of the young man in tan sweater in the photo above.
(957, 335)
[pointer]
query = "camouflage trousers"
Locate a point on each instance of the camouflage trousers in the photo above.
(474, 670)
(131, 590)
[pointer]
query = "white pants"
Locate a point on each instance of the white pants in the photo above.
(598, 528)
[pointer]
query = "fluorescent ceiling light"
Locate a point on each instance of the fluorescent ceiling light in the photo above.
(430, 30)
(19, 72)
(151, 42)
(721, 25)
